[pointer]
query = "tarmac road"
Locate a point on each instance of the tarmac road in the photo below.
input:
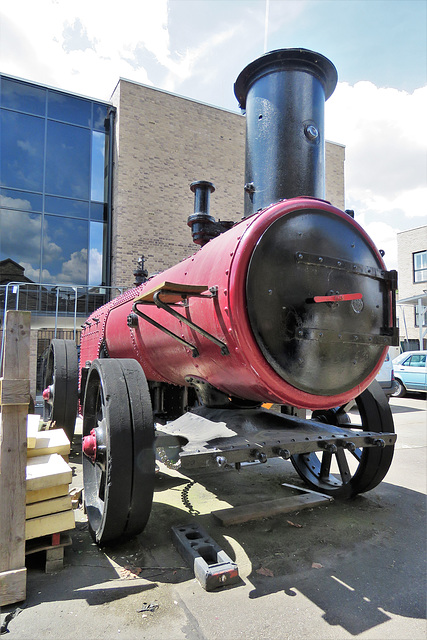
(349, 569)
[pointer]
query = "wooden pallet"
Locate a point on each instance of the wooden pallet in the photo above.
(53, 546)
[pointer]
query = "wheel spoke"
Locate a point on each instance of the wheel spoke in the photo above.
(100, 481)
(343, 465)
(357, 453)
(325, 467)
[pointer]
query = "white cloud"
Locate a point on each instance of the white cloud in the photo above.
(14, 203)
(33, 274)
(81, 46)
(95, 267)
(74, 269)
(386, 157)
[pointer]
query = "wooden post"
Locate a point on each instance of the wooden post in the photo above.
(14, 400)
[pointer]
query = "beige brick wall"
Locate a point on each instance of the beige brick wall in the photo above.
(163, 143)
(334, 174)
(408, 243)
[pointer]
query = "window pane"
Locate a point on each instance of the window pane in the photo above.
(98, 167)
(100, 112)
(23, 138)
(67, 160)
(21, 248)
(420, 260)
(421, 276)
(21, 200)
(66, 207)
(23, 97)
(65, 243)
(420, 266)
(96, 250)
(98, 211)
(69, 109)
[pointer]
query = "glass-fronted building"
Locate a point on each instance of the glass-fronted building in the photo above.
(53, 185)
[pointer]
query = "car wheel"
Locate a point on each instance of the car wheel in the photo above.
(400, 391)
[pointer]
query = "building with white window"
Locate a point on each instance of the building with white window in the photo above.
(412, 298)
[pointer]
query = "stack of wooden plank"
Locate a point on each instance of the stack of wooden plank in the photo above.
(48, 475)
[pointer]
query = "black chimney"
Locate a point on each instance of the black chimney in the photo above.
(284, 93)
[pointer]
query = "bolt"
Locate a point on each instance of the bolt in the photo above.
(378, 442)
(311, 132)
(261, 456)
(221, 461)
(331, 448)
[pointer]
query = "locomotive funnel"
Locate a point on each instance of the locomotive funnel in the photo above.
(284, 93)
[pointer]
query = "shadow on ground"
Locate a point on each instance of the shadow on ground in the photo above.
(357, 561)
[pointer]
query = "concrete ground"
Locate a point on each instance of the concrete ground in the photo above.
(347, 569)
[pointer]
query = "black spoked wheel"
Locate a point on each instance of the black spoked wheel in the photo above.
(61, 385)
(344, 474)
(118, 447)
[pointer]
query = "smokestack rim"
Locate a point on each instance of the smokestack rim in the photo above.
(286, 60)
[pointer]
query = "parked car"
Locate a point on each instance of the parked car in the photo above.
(385, 377)
(410, 372)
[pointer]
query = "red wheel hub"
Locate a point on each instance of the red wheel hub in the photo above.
(48, 393)
(89, 445)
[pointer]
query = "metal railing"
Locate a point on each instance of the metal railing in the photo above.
(53, 300)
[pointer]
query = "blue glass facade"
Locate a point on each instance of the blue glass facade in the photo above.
(53, 184)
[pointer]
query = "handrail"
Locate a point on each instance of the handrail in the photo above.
(50, 289)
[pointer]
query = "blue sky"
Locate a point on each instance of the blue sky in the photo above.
(196, 48)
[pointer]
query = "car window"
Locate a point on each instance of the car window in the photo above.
(416, 361)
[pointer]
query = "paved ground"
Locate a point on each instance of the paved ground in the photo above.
(367, 580)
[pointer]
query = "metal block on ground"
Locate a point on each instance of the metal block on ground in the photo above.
(212, 567)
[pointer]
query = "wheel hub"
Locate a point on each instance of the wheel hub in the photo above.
(89, 445)
(48, 394)
(93, 445)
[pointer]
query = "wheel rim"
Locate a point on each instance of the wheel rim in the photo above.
(61, 385)
(345, 473)
(400, 389)
(118, 446)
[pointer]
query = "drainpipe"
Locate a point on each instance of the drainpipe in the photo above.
(109, 125)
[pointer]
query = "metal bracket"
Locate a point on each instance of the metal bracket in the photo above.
(212, 567)
(332, 336)
(181, 298)
(388, 277)
(344, 265)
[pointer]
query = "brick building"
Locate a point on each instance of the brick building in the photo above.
(163, 142)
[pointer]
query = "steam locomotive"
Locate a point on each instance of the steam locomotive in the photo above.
(289, 311)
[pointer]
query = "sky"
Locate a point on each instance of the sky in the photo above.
(197, 48)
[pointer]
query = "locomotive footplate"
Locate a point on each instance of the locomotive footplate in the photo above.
(221, 437)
